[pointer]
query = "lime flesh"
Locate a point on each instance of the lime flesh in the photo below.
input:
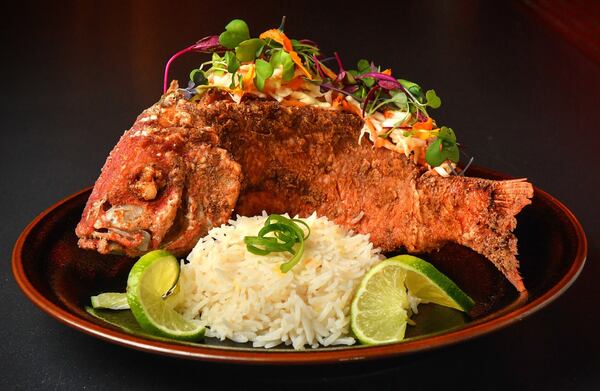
(379, 310)
(427, 283)
(152, 276)
(378, 313)
(111, 301)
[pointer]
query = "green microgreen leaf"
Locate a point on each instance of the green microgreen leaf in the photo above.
(198, 77)
(369, 81)
(232, 62)
(397, 98)
(349, 78)
(283, 59)
(361, 93)
(264, 70)
(433, 100)
(443, 148)
(363, 66)
(400, 99)
(447, 134)
(417, 92)
(249, 49)
(414, 89)
(233, 79)
(407, 84)
(235, 32)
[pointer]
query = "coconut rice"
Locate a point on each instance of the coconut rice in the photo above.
(246, 298)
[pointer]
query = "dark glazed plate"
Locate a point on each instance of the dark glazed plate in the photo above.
(59, 278)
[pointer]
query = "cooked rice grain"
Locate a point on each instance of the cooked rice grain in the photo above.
(245, 297)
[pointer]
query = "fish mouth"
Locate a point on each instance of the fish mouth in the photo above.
(117, 231)
(113, 240)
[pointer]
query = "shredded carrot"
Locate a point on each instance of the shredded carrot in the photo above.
(387, 72)
(388, 114)
(351, 108)
(279, 37)
(389, 145)
(295, 83)
(379, 142)
(298, 62)
(292, 103)
(248, 79)
(426, 125)
(337, 101)
(330, 74)
(269, 87)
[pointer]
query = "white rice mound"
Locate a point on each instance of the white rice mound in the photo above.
(245, 297)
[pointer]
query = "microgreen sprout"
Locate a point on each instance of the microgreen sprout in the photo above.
(235, 51)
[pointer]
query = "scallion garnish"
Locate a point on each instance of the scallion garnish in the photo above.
(286, 233)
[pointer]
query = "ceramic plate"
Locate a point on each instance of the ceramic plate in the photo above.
(60, 278)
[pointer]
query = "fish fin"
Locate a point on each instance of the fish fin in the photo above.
(508, 198)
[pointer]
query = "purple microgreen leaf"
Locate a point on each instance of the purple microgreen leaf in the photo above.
(330, 86)
(190, 91)
(341, 71)
(389, 82)
(318, 66)
(308, 42)
(368, 98)
(388, 85)
(351, 89)
(209, 44)
(327, 59)
(205, 45)
(178, 54)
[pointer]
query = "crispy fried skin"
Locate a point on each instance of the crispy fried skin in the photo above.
(165, 184)
(300, 160)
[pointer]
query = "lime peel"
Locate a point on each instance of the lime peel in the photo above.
(110, 301)
(430, 285)
(152, 276)
(380, 309)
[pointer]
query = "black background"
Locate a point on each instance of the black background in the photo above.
(521, 99)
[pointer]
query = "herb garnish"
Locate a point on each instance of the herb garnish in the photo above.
(286, 234)
(244, 64)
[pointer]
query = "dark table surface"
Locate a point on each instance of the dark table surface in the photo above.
(523, 100)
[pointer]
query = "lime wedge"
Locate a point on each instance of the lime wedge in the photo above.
(110, 301)
(378, 313)
(152, 276)
(379, 310)
(427, 283)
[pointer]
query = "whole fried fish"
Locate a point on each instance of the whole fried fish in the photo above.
(184, 166)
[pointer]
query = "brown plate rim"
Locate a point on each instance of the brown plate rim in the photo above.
(231, 355)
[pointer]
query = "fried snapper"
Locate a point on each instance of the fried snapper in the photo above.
(185, 167)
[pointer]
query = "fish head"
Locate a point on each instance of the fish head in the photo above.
(137, 196)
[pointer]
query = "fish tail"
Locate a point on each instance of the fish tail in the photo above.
(510, 196)
(507, 199)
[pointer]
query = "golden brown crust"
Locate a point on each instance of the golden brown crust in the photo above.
(286, 159)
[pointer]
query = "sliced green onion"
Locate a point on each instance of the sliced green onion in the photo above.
(286, 233)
